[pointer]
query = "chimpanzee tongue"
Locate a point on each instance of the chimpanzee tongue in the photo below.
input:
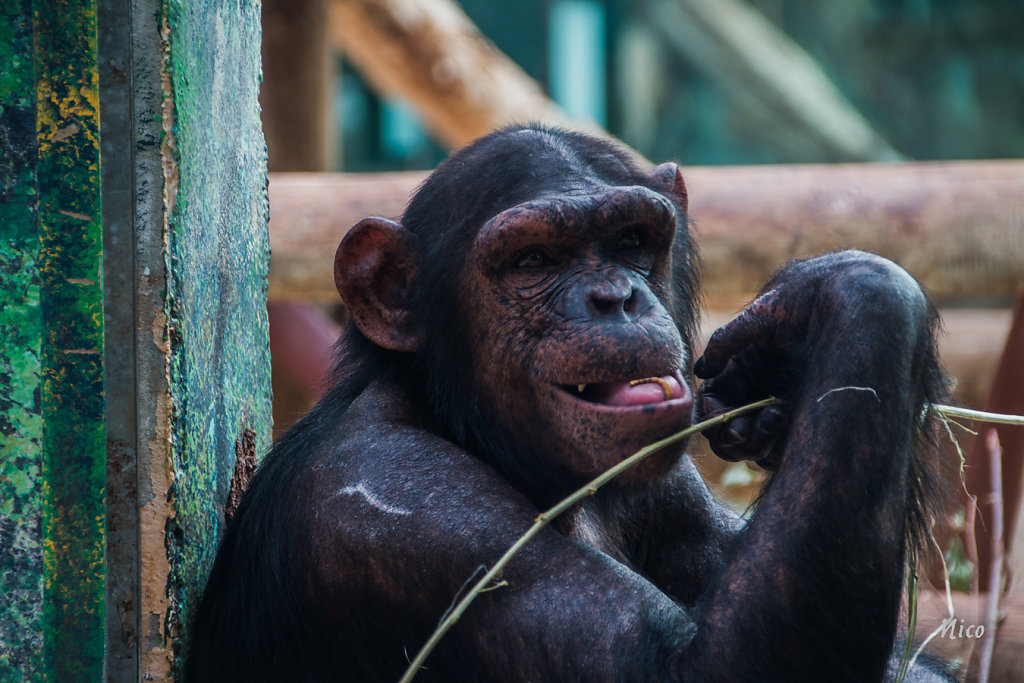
(622, 394)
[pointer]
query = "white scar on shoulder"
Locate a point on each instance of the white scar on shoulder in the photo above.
(360, 489)
(873, 392)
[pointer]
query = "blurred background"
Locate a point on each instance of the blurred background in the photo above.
(933, 79)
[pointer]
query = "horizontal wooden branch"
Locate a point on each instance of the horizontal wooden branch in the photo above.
(956, 226)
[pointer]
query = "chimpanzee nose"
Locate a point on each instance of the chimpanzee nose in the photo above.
(613, 298)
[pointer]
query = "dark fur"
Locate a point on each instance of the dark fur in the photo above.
(368, 516)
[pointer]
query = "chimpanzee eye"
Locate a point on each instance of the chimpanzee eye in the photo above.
(631, 238)
(532, 258)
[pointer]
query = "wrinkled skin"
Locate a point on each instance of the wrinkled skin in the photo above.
(487, 373)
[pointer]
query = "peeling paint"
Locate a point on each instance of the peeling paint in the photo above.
(21, 502)
(52, 443)
(246, 460)
(73, 436)
(155, 565)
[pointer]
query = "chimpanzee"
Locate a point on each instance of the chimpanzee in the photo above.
(528, 323)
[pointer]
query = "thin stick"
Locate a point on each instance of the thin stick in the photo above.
(995, 452)
(953, 411)
(971, 541)
(971, 550)
(546, 517)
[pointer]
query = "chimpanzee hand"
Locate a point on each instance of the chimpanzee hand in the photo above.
(767, 350)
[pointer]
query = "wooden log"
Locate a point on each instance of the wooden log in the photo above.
(431, 54)
(956, 226)
(312, 212)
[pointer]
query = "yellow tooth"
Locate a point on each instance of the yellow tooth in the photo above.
(666, 388)
(581, 387)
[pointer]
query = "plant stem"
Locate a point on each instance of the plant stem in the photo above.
(953, 411)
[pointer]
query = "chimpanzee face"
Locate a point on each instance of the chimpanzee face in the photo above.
(546, 289)
(570, 336)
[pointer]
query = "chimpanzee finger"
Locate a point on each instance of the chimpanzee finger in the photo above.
(736, 431)
(710, 405)
(736, 444)
(726, 451)
(739, 333)
(748, 437)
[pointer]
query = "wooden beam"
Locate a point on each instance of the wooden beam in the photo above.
(956, 226)
(295, 96)
(431, 54)
(184, 279)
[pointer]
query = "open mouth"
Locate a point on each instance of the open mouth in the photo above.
(624, 394)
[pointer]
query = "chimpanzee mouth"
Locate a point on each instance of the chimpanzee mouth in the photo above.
(642, 391)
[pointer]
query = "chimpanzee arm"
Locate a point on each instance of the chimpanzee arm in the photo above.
(813, 589)
(561, 610)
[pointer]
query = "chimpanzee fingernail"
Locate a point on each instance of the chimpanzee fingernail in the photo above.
(771, 420)
(698, 368)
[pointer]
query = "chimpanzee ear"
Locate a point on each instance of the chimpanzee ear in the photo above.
(669, 179)
(374, 270)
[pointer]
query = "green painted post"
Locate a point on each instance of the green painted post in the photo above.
(133, 264)
(52, 442)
